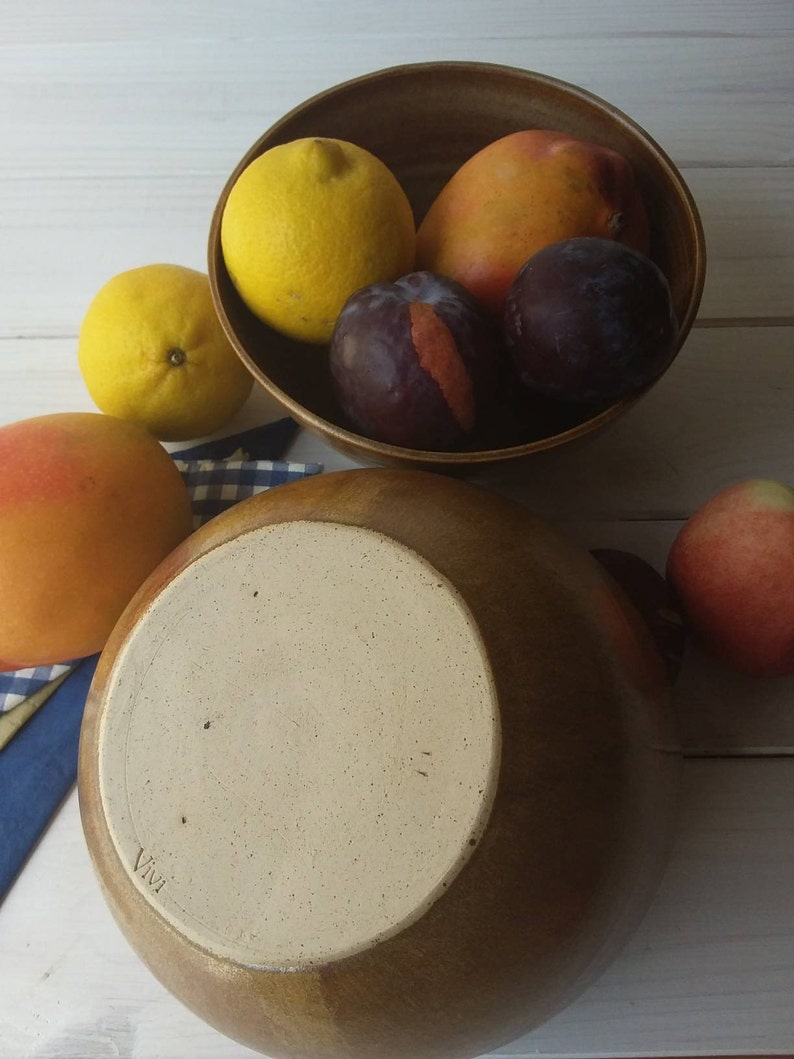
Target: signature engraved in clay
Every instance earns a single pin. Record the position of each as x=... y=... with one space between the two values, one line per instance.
x=145 y=868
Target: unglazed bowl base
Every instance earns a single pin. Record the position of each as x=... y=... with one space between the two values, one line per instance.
x=273 y=778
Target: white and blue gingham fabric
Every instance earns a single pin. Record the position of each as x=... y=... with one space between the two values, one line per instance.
x=214 y=485
x=17 y=686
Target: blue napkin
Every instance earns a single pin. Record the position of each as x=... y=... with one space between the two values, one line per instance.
x=39 y=765
x=38 y=768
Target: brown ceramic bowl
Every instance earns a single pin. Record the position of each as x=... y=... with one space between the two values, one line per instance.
x=424 y=121
x=378 y=766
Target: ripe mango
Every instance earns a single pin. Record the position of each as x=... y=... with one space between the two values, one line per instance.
x=520 y=193
x=89 y=505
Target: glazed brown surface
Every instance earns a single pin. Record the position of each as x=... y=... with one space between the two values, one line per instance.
x=576 y=834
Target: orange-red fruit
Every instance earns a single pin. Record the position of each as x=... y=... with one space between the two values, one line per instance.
x=89 y=505
x=519 y=194
x=732 y=566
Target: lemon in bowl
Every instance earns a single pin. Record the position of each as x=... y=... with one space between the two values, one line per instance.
x=306 y=224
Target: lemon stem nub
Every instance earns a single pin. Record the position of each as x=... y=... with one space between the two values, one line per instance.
x=176 y=356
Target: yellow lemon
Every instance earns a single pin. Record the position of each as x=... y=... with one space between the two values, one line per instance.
x=152 y=350
x=306 y=224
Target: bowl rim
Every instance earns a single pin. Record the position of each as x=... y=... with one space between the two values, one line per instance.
x=349 y=440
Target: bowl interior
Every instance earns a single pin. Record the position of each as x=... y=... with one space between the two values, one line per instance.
x=424 y=121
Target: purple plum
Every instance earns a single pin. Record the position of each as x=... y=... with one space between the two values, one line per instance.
x=589 y=321
x=415 y=362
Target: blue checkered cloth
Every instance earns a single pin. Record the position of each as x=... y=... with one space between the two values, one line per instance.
x=215 y=485
x=217 y=475
x=18 y=685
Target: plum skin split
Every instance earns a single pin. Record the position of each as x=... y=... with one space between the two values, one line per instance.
x=414 y=363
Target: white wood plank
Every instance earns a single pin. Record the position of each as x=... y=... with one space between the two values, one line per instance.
x=119 y=124
x=710 y=969
x=125 y=107
x=717 y=709
x=41 y=376
x=112 y=223
x=722 y=412
x=64 y=238
x=95 y=20
x=748 y=220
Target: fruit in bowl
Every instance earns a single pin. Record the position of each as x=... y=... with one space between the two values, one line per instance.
x=306 y=224
x=415 y=362
x=588 y=320
x=467 y=106
x=519 y=194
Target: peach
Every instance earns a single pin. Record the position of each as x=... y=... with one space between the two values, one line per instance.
x=89 y=505
x=732 y=566
x=519 y=194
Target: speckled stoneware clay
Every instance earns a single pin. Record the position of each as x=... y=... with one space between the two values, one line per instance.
x=343 y=803
x=376 y=765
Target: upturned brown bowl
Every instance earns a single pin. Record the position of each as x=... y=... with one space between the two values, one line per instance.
x=424 y=121
x=377 y=765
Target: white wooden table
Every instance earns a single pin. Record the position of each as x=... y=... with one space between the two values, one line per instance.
x=118 y=127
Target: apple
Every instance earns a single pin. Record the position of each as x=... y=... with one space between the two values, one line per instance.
x=732 y=567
